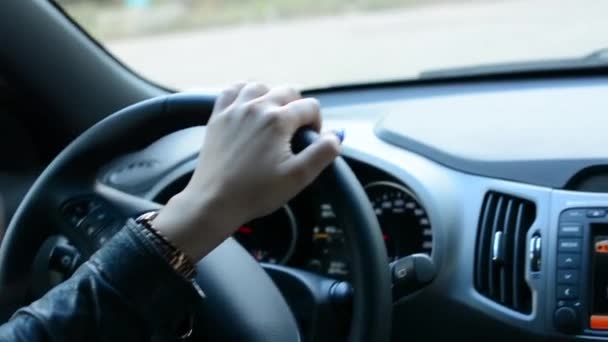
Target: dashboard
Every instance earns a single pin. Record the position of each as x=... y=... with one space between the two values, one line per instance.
x=502 y=183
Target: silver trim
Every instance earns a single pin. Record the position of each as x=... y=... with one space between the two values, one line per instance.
x=535 y=254
x=497 y=247
x=294 y=234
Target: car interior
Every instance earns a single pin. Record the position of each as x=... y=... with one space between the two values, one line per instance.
x=467 y=203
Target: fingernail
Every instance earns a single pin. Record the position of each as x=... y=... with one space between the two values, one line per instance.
x=339 y=133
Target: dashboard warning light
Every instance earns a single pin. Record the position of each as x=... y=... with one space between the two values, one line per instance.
x=246 y=230
x=601 y=247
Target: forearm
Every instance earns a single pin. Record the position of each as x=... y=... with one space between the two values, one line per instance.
x=124 y=292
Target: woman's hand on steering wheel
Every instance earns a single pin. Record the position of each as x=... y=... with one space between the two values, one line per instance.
x=246 y=167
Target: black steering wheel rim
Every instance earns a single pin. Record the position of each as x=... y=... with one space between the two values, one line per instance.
x=137 y=126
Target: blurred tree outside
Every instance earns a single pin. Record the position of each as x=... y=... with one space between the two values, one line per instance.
x=117 y=19
x=138 y=3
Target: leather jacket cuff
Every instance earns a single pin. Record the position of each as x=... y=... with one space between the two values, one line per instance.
x=133 y=265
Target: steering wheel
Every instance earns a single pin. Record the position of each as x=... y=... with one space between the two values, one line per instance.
x=242 y=301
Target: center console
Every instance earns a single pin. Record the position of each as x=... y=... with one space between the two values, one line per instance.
x=581 y=272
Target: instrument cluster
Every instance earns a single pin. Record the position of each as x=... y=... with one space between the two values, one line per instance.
x=305 y=233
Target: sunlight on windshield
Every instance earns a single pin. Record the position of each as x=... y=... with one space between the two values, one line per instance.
x=209 y=43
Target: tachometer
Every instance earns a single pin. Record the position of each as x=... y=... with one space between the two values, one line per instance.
x=405 y=225
x=270 y=238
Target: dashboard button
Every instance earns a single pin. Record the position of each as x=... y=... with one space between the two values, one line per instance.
x=567 y=292
x=595 y=213
x=576 y=304
x=571 y=230
x=569 y=245
x=566 y=320
x=599 y=322
x=567 y=277
x=575 y=214
x=568 y=260
x=90 y=228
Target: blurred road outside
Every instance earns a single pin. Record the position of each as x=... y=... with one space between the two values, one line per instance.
x=360 y=46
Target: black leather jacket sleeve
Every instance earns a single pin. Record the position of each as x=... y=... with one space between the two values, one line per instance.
x=125 y=291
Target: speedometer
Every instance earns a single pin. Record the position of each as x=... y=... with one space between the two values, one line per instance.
x=405 y=225
x=406 y=228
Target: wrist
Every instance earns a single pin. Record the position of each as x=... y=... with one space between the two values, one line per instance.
x=194 y=223
x=180 y=262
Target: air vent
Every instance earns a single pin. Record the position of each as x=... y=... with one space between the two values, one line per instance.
x=501 y=247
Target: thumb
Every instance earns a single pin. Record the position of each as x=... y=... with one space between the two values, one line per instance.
x=305 y=166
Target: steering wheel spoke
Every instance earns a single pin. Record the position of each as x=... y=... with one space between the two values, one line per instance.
x=130 y=205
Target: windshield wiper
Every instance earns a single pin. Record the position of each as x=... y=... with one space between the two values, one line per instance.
x=595 y=59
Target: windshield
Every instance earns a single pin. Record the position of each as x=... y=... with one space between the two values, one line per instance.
x=186 y=44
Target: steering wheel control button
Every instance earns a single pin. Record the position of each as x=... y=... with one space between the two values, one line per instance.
x=570 y=261
x=64 y=259
x=598 y=322
x=570 y=230
x=107 y=232
x=567 y=292
x=569 y=245
x=567 y=277
x=567 y=320
x=95 y=219
x=75 y=212
x=90 y=228
x=102 y=240
x=596 y=213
